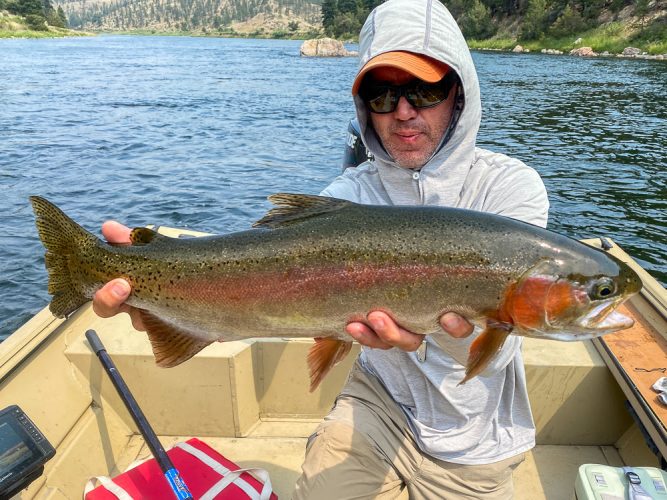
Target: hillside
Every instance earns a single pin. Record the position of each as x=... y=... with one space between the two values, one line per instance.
x=243 y=17
x=605 y=25
x=32 y=19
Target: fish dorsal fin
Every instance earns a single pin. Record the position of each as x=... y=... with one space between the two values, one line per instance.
x=323 y=356
x=294 y=208
x=143 y=236
x=171 y=346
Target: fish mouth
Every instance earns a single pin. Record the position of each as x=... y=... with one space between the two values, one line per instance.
x=604 y=318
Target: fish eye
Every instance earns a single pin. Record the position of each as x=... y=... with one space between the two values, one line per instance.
x=602 y=289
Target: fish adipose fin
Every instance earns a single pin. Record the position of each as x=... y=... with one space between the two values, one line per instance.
x=485 y=347
x=171 y=346
x=143 y=236
x=61 y=237
x=323 y=356
x=294 y=208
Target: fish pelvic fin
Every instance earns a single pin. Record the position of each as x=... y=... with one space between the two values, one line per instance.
x=323 y=356
x=171 y=345
x=485 y=347
x=62 y=238
x=294 y=208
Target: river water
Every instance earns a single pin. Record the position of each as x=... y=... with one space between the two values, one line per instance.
x=196 y=132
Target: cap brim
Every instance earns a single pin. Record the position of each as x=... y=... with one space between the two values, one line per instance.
x=423 y=67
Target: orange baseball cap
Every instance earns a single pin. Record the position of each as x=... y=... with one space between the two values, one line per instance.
x=423 y=67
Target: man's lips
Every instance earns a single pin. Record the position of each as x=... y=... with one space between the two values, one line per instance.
x=407 y=135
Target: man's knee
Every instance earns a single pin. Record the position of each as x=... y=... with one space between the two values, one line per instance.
x=341 y=462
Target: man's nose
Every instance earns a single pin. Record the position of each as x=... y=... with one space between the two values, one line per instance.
x=404 y=110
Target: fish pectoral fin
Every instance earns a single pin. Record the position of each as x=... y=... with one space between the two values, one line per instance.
x=143 y=236
x=485 y=347
x=294 y=208
x=171 y=346
x=323 y=356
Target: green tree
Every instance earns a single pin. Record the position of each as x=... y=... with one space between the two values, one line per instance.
x=293 y=26
x=458 y=8
x=346 y=25
x=329 y=9
x=347 y=6
x=25 y=7
x=369 y=5
x=476 y=21
x=568 y=23
x=534 y=22
x=62 y=17
x=641 y=9
x=36 y=22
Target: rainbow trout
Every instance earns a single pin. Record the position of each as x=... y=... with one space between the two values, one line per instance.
x=313 y=264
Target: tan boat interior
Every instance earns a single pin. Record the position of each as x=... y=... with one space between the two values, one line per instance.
x=249 y=400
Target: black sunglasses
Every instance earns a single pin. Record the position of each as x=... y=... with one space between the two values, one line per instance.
x=383 y=98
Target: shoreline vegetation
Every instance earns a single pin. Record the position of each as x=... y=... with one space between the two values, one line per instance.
x=632 y=31
x=601 y=44
x=30 y=26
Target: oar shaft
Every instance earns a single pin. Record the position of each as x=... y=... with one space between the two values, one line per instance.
x=175 y=481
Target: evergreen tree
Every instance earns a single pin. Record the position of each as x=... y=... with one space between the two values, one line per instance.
x=534 y=22
x=641 y=9
x=568 y=23
x=476 y=22
x=347 y=6
x=25 y=7
x=62 y=17
x=329 y=9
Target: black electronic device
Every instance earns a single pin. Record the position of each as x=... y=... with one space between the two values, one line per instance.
x=23 y=451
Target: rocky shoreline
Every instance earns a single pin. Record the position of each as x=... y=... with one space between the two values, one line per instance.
x=628 y=53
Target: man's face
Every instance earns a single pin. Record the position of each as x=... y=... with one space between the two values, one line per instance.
x=410 y=135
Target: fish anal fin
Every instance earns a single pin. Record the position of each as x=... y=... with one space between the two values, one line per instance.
x=294 y=208
x=144 y=235
x=323 y=356
x=485 y=347
x=171 y=346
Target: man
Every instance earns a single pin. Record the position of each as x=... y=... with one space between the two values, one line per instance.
x=401 y=420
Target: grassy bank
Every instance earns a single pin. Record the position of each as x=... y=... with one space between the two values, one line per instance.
x=15 y=27
x=612 y=38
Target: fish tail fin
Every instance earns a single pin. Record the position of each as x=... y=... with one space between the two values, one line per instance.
x=323 y=356
x=484 y=348
x=61 y=237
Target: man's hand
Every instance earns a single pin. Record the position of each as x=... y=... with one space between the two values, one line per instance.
x=110 y=299
x=384 y=333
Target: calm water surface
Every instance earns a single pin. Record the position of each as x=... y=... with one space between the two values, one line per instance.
x=196 y=132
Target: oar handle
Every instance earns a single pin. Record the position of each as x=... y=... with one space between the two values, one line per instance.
x=171 y=474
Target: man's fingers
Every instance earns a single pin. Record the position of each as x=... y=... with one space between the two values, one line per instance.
x=137 y=322
x=392 y=334
x=457 y=326
x=115 y=232
x=109 y=300
x=365 y=336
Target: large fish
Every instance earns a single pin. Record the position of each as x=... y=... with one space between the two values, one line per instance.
x=314 y=264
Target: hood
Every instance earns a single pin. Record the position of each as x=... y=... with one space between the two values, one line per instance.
x=423 y=27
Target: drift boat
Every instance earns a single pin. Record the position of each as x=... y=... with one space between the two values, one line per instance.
x=592 y=401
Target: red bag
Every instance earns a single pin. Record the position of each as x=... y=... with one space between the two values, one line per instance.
x=206 y=473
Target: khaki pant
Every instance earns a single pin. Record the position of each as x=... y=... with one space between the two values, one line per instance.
x=365 y=449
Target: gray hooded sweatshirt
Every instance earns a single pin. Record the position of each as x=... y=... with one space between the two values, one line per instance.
x=488 y=419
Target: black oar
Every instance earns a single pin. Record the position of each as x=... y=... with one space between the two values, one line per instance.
x=171 y=474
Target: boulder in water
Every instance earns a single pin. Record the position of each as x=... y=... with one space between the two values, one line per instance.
x=325 y=47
